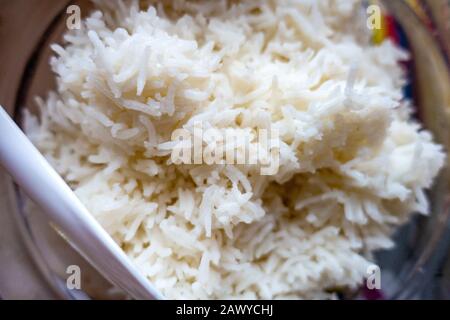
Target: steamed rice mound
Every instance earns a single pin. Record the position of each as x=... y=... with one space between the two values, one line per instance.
x=353 y=165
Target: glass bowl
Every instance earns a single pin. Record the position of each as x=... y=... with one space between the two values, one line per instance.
x=415 y=268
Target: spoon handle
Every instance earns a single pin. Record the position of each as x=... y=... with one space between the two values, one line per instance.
x=31 y=171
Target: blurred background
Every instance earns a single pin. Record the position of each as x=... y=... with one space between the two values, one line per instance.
x=22 y=23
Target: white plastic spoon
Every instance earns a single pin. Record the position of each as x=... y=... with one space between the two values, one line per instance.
x=46 y=188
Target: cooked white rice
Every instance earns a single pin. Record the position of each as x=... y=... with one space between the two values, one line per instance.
x=353 y=165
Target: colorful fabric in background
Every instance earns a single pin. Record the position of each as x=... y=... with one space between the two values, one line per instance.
x=391 y=29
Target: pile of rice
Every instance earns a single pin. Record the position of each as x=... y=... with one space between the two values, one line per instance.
x=352 y=163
